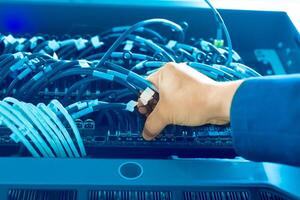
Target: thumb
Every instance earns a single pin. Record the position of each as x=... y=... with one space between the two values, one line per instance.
x=154 y=124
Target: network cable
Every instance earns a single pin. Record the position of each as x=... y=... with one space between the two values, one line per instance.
x=222 y=23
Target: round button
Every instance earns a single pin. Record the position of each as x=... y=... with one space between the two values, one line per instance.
x=130 y=170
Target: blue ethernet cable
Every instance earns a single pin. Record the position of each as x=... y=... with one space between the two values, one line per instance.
x=99 y=107
x=142 y=43
x=110 y=122
x=55 y=132
x=94 y=73
x=2 y=57
x=219 y=70
x=42 y=78
x=132 y=77
x=22 y=120
x=54 y=104
x=132 y=29
x=121 y=95
x=88 y=80
x=249 y=71
x=153 y=46
x=118 y=79
x=93 y=45
x=148 y=64
x=67 y=53
x=146 y=45
x=233 y=72
x=210 y=68
x=114 y=92
x=36 y=77
x=101 y=95
x=45 y=130
x=41 y=46
x=227 y=35
x=121 y=55
x=66 y=139
x=31 y=66
x=5 y=64
x=77 y=85
x=119 y=121
x=18 y=136
x=23 y=46
x=17 y=119
x=194 y=51
x=39 y=141
x=121 y=29
x=185 y=56
x=10 y=48
x=34 y=120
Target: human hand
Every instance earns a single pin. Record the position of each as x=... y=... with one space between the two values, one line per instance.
x=186 y=97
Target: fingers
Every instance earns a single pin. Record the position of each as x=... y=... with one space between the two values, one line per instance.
x=155 y=121
x=154 y=78
x=154 y=124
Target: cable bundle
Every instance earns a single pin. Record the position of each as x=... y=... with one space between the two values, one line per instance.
x=99 y=77
x=40 y=130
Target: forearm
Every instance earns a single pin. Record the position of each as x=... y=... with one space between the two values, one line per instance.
x=265 y=117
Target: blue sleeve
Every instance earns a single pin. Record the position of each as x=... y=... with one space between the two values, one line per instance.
x=265 y=119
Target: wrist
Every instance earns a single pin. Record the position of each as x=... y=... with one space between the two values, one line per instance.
x=223 y=96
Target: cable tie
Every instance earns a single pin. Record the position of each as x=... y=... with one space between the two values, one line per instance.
x=54 y=45
x=171 y=44
x=131 y=105
x=96 y=42
x=10 y=39
x=33 y=42
x=80 y=44
x=84 y=64
x=82 y=105
x=128 y=45
x=146 y=95
x=18 y=55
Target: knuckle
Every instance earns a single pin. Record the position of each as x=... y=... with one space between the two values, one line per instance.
x=170 y=65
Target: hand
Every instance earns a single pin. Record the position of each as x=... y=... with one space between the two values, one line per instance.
x=186 y=97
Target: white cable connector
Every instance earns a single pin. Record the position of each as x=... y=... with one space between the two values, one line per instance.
x=96 y=42
x=131 y=105
x=18 y=55
x=84 y=64
x=10 y=39
x=128 y=45
x=147 y=95
x=171 y=44
x=54 y=45
x=80 y=43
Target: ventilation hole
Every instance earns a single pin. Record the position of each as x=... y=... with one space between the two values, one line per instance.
x=270 y=195
x=220 y=195
x=129 y=195
x=17 y=194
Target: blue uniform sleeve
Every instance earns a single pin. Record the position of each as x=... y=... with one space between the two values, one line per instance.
x=265 y=119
